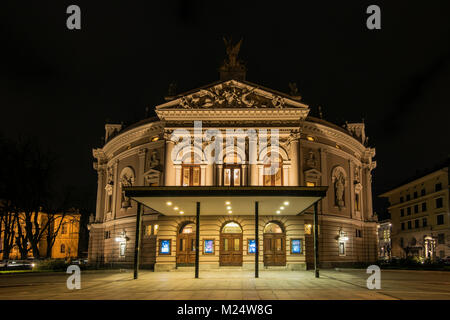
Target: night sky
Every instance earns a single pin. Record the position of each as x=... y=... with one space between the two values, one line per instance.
x=62 y=85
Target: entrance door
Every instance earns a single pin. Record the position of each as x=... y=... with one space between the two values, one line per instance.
x=186 y=246
x=231 y=245
x=274 y=245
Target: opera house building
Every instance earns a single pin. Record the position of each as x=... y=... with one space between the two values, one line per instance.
x=233 y=175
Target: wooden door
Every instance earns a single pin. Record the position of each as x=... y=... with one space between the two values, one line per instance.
x=231 y=249
x=232 y=175
x=186 y=249
x=274 y=249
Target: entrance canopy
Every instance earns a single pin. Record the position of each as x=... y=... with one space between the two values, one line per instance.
x=179 y=201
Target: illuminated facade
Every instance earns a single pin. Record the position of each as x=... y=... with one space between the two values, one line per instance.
x=312 y=152
x=420 y=216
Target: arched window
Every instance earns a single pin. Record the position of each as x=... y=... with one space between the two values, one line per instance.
x=232 y=170
x=273 y=227
x=63 y=248
x=273 y=171
x=189 y=228
x=232 y=227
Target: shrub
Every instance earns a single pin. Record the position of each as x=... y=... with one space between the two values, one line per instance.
x=52 y=265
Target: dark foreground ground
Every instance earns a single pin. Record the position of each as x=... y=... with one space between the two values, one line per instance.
x=229 y=284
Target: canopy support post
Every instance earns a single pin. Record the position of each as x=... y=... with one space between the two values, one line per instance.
x=137 y=241
x=197 y=240
x=316 y=242
x=256 y=240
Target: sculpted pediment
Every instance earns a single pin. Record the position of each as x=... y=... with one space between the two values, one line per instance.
x=232 y=94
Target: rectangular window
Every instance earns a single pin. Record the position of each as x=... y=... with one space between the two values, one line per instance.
x=409 y=225
x=403 y=226
x=439 y=203
x=402 y=212
x=227 y=177
x=408 y=197
x=424 y=206
x=440 y=219
x=251 y=246
x=416 y=223
x=148 y=230
x=408 y=211
x=164 y=246
x=107 y=234
x=358 y=233
x=342 y=248
x=401 y=199
x=424 y=222
x=64 y=228
x=438 y=187
x=441 y=238
x=308 y=228
x=415 y=194
x=401 y=242
x=208 y=246
x=237 y=244
x=416 y=208
x=109 y=203
x=310 y=184
x=296 y=246
x=422 y=192
x=190 y=176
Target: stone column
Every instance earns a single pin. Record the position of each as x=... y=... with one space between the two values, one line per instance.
x=351 y=185
x=101 y=176
x=169 y=170
x=219 y=174
x=203 y=174
x=295 y=161
x=177 y=170
x=244 y=175
x=253 y=156
x=116 y=188
x=324 y=178
x=286 y=175
x=141 y=168
x=260 y=175
x=210 y=174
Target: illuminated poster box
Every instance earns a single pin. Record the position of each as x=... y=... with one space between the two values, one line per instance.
x=251 y=246
x=164 y=246
x=296 y=246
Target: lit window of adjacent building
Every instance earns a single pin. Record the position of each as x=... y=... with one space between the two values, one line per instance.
x=403 y=226
x=402 y=212
x=416 y=208
x=409 y=225
x=422 y=192
x=441 y=238
x=408 y=211
x=424 y=222
x=416 y=223
x=440 y=219
x=438 y=187
x=439 y=202
x=415 y=194
x=424 y=207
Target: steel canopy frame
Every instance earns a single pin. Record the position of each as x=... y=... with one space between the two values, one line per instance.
x=140 y=193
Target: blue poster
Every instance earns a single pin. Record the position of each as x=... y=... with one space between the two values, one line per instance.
x=296 y=246
x=165 y=246
x=251 y=246
x=209 y=246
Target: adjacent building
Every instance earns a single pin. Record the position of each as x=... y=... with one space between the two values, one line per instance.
x=64 y=235
x=419 y=212
x=384 y=239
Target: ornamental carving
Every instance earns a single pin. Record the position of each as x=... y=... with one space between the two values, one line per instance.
x=230 y=96
x=152 y=159
x=127 y=178
x=311 y=159
x=339 y=180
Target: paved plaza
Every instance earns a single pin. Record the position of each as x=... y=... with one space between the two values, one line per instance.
x=229 y=285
